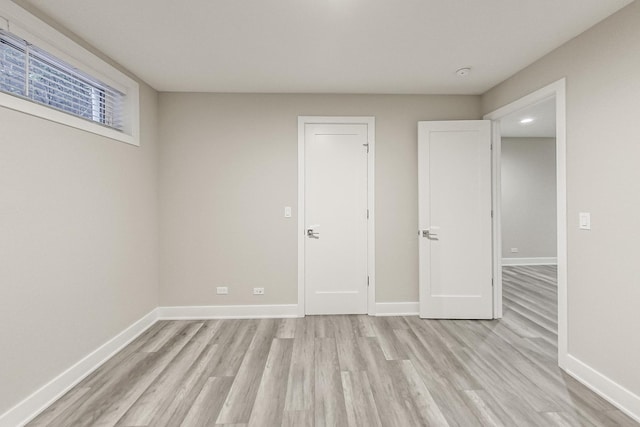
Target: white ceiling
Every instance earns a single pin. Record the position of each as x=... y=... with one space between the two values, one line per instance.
x=326 y=46
x=543 y=125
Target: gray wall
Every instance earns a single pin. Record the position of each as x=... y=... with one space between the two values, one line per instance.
x=79 y=245
x=229 y=166
x=603 y=177
x=78 y=253
x=529 y=197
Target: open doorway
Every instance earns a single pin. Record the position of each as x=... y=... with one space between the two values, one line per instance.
x=530 y=219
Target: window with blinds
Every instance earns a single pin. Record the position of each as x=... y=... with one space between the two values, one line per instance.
x=29 y=72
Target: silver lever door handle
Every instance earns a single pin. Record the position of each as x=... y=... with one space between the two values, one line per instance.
x=429 y=234
x=313 y=234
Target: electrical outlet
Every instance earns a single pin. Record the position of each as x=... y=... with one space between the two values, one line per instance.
x=222 y=290
x=514 y=250
x=258 y=291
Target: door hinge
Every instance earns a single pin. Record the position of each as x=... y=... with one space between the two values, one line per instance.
x=367 y=213
x=367 y=281
x=366 y=145
x=492 y=214
x=492 y=282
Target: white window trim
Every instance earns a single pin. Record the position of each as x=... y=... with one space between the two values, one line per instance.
x=18 y=21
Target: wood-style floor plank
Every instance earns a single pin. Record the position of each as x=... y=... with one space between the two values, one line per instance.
x=269 y=404
x=162 y=390
x=486 y=408
x=60 y=406
x=297 y=419
x=186 y=393
x=417 y=396
x=301 y=378
x=348 y=353
x=237 y=408
x=345 y=371
x=329 y=404
x=387 y=340
x=358 y=397
x=384 y=384
x=207 y=405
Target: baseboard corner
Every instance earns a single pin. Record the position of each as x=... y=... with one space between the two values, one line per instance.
x=616 y=394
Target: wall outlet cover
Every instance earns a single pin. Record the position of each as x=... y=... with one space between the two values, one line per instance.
x=222 y=290
x=258 y=291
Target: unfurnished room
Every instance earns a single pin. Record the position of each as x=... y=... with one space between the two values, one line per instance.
x=319 y=213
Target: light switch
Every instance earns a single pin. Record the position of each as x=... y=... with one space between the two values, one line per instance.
x=287 y=212
x=585 y=220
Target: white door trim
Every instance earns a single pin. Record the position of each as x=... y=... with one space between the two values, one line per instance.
x=557 y=90
x=371 y=236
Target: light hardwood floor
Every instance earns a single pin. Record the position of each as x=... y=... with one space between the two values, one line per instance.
x=345 y=371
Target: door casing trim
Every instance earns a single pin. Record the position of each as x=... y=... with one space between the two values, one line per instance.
x=558 y=90
x=371 y=230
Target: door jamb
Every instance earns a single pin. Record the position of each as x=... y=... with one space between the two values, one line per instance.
x=371 y=237
x=557 y=90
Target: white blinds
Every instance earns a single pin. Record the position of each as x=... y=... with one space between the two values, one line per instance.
x=30 y=72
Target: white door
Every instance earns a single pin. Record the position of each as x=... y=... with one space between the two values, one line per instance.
x=335 y=211
x=454 y=172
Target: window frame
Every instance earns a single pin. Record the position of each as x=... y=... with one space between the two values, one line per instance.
x=23 y=24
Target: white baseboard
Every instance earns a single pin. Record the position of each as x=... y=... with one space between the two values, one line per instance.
x=228 y=312
x=397 y=308
x=530 y=261
x=30 y=407
x=624 y=399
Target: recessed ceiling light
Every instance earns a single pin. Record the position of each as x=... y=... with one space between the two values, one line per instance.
x=526 y=121
x=463 y=72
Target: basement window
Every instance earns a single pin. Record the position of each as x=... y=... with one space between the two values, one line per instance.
x=30 y=72
x=45 y=74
